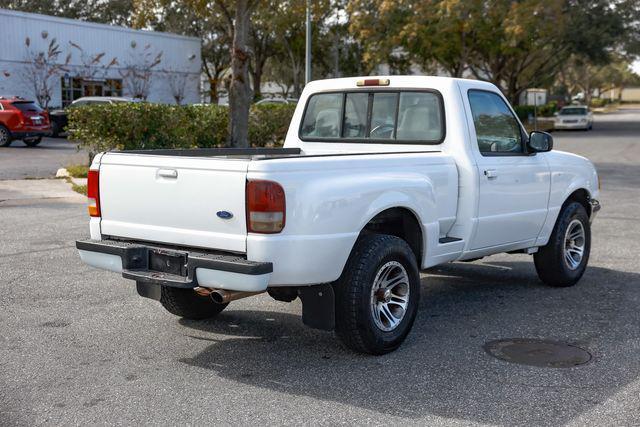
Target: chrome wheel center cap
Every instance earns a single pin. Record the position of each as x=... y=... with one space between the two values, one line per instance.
x=384 y=295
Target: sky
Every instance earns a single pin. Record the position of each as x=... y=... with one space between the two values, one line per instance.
x=636 y=67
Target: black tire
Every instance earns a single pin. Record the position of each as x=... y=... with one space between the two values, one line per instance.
x=551 y=264
x=188 y=304
x=55 y=130
x=5 y=137
x=355 y=319
x=32 y=142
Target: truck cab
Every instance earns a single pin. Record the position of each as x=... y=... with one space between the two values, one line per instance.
x=379 y=178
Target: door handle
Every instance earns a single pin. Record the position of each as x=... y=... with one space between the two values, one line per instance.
x=168 y=173
x=491 y=173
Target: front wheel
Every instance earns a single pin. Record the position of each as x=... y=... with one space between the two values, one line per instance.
x=563 y=260
x=377 y=295
x=188 y=304
x=5 y=137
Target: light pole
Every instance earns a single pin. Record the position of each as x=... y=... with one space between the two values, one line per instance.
x=307 y=59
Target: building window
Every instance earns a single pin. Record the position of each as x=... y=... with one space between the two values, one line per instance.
x=113 y=87
x=75 y=87
x=71 y=90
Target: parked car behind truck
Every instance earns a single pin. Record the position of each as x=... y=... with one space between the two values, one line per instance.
x=60 y=120
x=22 y=119
x=379 y=178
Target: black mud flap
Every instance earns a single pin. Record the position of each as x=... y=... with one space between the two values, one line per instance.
x=318 y=306
x=149 y=290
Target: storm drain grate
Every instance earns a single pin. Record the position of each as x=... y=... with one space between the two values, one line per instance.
x=535 y=352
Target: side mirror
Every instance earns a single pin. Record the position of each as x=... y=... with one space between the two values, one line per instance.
x=540 y=142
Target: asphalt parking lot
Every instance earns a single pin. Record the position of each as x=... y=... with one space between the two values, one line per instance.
x=21 y=162
x=78 y=346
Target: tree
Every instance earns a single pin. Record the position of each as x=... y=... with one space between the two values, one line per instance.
x=263 y=42
x=289 y=25
x=91 y=64
x=443 y=33
x=514 y=44
x=116 y=12
x=177 y=82
x=521 y=45
x=195 y=18
x=238 y=19
x=582 y=76
x=378 y=26
x=42 y=68
x=138 y=70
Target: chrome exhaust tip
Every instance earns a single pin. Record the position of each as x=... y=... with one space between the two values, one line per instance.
x=221 y=296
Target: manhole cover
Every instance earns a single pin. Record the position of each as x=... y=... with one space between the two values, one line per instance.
x=542 y=353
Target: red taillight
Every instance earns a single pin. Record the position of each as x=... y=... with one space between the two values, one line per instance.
x=265 y=207
x=93 y=192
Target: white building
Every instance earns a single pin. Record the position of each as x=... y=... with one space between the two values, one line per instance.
x=94 y=60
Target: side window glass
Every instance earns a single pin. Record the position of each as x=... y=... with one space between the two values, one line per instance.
x=497 y=130
x=355 y=115
x=383 y=115
x=419 y=117
x=322 y=118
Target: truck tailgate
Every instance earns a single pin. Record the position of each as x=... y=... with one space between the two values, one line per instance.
x=174 y=200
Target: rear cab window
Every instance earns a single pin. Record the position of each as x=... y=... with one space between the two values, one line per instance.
x=374 y=116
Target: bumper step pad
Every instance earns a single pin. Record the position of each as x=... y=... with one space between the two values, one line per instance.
x=136 y=262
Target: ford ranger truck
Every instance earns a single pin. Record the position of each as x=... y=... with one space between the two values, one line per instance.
x=379 y=178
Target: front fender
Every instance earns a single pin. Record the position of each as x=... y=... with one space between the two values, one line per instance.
x=569 y=173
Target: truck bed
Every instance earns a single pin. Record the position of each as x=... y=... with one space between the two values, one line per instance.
x=236 y=153
x=255 y=153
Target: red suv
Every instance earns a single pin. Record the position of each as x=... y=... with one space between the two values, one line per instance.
x=22 y=119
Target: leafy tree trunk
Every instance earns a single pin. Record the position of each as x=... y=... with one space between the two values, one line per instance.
x=256 y=74
x=296 y=68
x=240 y=93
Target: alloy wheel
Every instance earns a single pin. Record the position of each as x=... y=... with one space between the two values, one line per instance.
x=389 y=296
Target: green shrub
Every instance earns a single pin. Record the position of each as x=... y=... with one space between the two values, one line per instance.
x=598 y=102
x=78 y=171
x=523 y=111
x=131 y=126
x=546 y=110
x=268 y=124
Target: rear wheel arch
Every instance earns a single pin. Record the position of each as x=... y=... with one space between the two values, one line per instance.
x=401 y=222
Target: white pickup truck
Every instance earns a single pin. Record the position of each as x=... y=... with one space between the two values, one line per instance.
x=379 y=178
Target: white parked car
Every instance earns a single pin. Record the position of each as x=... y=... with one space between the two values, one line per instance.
x=278 y=101
x=379 y=179
x=574 y=117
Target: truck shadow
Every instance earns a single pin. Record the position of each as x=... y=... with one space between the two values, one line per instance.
x=442 y=368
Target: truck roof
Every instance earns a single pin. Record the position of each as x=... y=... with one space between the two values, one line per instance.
x=395 y=81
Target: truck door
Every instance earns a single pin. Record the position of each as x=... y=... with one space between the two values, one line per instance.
x=513 y=184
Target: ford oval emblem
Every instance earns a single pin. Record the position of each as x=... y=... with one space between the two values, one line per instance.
x=224 y=214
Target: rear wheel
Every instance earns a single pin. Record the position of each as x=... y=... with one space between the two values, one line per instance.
x=55 y=130
x=377 y=295
x=32 y=142
x=563 y=260
x=5 y=137
x=188 y=304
